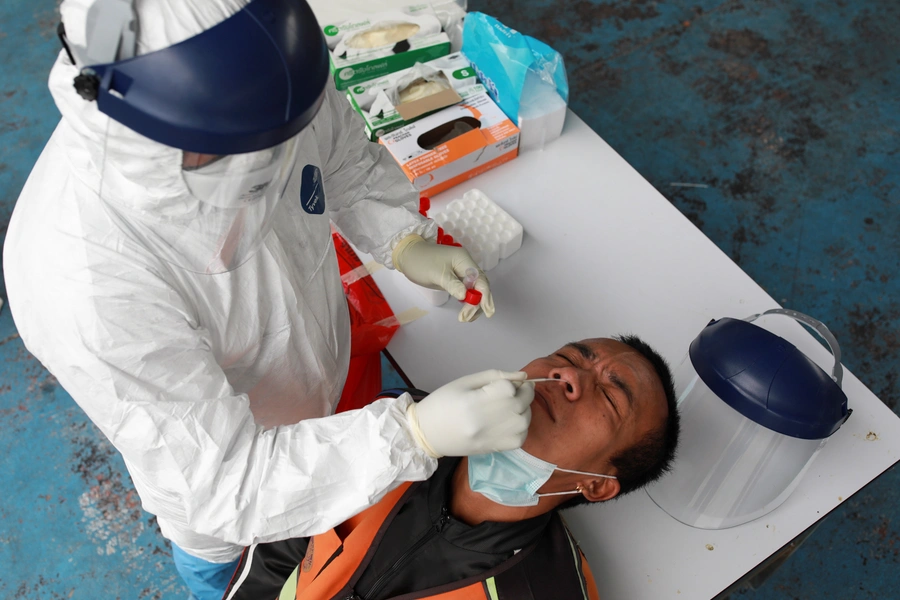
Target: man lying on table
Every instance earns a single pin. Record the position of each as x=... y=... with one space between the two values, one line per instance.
x=487 y=527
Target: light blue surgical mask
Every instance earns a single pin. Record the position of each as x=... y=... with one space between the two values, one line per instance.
x=513 y=478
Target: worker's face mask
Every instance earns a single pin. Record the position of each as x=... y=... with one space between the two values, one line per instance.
x=238 y=180
x=513 y=478
x=240 y=193
x=207 y=219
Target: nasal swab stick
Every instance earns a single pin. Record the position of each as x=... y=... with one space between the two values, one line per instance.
x=518 y=382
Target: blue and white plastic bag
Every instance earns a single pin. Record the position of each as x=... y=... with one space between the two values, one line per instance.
x=524 y=76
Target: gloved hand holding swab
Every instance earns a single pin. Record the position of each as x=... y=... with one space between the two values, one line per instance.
x=477 y=414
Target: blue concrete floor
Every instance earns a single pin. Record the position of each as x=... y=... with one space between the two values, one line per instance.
x=786 y=110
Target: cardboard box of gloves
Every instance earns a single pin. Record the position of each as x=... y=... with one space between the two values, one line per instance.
x=395 y=100
x=374 y=45
x=454 y=144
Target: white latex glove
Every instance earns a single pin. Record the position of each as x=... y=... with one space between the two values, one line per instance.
x=476 y=414
x=442 y=267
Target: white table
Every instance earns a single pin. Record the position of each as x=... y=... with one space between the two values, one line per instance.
x=605 y=253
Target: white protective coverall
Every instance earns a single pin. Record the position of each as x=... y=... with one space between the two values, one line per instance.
x=210 y=385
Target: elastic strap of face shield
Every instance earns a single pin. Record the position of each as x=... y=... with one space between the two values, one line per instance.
x=110 y=34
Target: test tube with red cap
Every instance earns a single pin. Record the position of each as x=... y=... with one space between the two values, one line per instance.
x=473 y=296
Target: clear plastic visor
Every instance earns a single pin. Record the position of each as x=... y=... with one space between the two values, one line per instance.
x=208 y=214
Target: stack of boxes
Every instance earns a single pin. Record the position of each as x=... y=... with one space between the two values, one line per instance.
x=419 y=100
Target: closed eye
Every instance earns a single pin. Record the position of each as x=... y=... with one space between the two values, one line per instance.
x=566 y=358
x=613 y=404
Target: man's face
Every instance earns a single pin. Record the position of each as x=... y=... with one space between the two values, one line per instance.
x=608 y=397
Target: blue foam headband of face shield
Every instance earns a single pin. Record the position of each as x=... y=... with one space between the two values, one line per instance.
x=248 y=83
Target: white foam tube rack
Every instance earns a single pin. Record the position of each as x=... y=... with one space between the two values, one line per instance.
x=487 y=231
x=483 y=228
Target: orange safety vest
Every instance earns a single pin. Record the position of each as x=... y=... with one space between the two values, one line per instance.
x=331 y=563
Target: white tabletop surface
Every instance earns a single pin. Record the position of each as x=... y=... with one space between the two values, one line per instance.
x=605 y=253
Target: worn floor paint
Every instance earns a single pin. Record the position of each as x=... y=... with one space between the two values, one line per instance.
x=787 y=111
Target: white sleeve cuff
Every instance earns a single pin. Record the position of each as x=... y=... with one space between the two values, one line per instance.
x=426 y=228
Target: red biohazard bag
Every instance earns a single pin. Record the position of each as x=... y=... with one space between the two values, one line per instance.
x=372 y=325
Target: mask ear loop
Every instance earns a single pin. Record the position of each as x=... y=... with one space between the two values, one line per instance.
x=577 y=490
x=589 y=474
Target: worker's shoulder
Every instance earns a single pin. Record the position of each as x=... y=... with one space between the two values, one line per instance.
x=59 y=227
x=70 y=271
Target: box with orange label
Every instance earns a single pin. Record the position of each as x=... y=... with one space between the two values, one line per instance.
x=454 y=144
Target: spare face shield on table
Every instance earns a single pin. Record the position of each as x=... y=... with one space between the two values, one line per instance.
x=202 y=135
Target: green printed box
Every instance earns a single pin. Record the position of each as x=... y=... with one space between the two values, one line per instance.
x=398 y=99
x=371 y=46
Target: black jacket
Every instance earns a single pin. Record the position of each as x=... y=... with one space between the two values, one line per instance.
x=422 y=548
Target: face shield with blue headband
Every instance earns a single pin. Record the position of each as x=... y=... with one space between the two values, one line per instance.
x=201 y=137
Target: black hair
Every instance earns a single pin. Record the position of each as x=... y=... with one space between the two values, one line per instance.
x=651 y=457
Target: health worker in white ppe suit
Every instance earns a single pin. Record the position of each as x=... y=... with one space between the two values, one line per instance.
x=170 y=261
